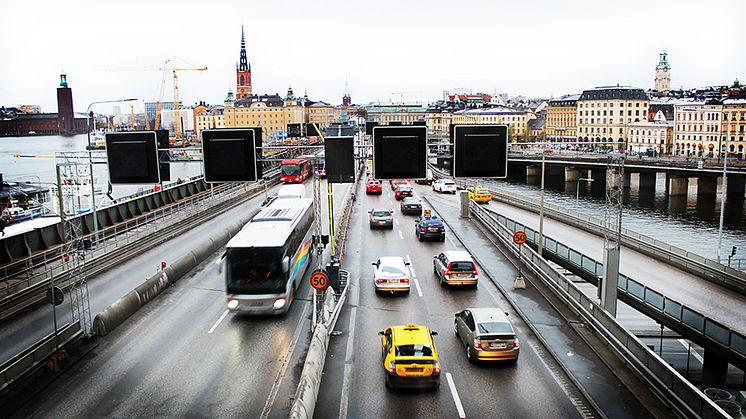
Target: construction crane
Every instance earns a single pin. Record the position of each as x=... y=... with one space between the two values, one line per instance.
x=158 y=103
x=175 y=70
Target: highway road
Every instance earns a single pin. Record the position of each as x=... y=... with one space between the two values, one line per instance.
x=183 y=354
x=353 y=383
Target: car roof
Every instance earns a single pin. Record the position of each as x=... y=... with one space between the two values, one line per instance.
x=392 y=261
x=411 y=334
x=489 y=314
x=458 y=255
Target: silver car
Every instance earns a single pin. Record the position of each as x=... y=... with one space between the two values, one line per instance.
x=391 y=274
x=381 y=218
x=455 y=267
x=487 y=334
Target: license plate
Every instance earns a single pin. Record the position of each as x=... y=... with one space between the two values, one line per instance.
x=382 y=222
x=497 y=346
x=414 y=370
x=433 y=230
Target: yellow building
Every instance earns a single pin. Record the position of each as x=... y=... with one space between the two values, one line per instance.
x=733 y=126
x=212 y=118
x=438 y=123
x=269 y=112
x=562 y=119
x=604 y=113
x=515 y=119
x=322 y=114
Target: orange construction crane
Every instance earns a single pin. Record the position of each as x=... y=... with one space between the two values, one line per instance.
x=174 y=70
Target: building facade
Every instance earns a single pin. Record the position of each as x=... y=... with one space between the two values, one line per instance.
x=663 y=74
x=604 y=113
x=562 y=120
x=734 y=127
x=697 y=126
x=322 y=114
x=406 y=114
x=515 y=119
x=243 y=72
x=651 y=137
x=210 y=119
x=265 y=111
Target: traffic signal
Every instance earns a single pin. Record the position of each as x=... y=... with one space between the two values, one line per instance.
x=733 y=251
x=480 y=151
x=340 y=159
x=399 y=152
x=132 y=157
x=231 y=155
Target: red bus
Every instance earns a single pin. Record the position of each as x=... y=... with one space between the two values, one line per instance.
x=295 y=170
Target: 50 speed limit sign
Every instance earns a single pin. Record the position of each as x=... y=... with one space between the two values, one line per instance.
x=519 y=237
x=319 y=280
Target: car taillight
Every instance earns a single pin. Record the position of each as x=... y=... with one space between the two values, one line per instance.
x=477 y=344
x=380 y=280
x=476 y=271
x=392 y=366
x=422 y=229
x=436 y=368
x=516 y=344
x=447 y=273
x=442 y=229
x=405 y=280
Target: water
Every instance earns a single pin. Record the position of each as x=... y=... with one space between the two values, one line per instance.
x=690 y=222
x=39 y=167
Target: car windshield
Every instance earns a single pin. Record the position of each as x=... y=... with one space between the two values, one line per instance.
x=411 y=201
x=404 y=189
x=495 y=327
x=290 y=169
x=414 y=350
x=431 y=223
x=254 y=270
x=461 y=266
x=392 y=270
x=381 y=213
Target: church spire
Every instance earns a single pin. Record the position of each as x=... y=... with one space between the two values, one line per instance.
x=243 y=63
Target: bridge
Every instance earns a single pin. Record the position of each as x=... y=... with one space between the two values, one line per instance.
x=182 y=353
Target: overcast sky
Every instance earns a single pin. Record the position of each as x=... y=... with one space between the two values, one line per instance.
x=411 y=49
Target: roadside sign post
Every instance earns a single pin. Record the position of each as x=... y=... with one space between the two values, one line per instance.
x=519 y=238
x=319 y=282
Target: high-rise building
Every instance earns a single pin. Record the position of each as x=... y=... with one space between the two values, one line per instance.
x=243 y=72
x=663 y=74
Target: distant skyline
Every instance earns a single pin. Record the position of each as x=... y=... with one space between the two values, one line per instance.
x=384 y=49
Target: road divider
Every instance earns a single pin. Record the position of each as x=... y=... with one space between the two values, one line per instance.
x=122 y=309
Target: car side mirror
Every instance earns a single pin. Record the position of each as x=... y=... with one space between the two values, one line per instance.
x=221 y=262
x=433 y=333
x=407 y=263
x=380 y=333
x=506 y=313
x=374 y=264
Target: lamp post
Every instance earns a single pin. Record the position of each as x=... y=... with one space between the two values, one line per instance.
x=541 y=207
x=90 y=163
x=577 y=190
x=724 y=194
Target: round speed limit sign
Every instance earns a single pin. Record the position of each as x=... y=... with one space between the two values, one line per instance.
x=519 y=237
x=319 y=280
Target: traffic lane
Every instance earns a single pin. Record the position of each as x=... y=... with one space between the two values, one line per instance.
x=21 y=331
x=597 y=378
x=697 y=293
x=435 y=309
x=174 y=358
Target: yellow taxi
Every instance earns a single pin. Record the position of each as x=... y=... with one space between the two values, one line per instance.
x=479 y=194
x=410 y=359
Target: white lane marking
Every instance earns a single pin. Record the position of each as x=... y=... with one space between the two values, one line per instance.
x=448 y=237
x=456 y=398
x=417 y=285
x=413 y=274
x=212 y=329
x=401 y=236
x=694 y=353
x=285 y=362
x=344 y=400
x=391 y=202
x=396 y=220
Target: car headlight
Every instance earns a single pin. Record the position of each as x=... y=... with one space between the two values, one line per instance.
x=279 y=303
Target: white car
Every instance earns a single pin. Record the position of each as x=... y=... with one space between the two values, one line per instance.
x=444 y=185
x=391 y=274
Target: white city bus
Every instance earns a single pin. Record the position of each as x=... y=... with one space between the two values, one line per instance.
x=264 y=263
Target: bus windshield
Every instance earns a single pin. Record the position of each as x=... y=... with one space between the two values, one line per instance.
x=254 y=271
x=290 y=169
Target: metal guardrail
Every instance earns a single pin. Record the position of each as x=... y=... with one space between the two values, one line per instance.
x=683 y=397
x=37 y=354
x=706 y=329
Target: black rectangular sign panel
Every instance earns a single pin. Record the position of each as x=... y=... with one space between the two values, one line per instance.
x=369 y=125
x=163 y=156
x=294 y=130
x=419 y=123
x=132 y=157
x=340 y=159
x=395 y=124
x=480 y=151
x=311 y=131
x=230 y=155
x=399 y=152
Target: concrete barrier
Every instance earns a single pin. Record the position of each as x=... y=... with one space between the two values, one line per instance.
x=128 y=304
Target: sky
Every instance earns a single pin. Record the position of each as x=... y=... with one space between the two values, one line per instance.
x=383 y=48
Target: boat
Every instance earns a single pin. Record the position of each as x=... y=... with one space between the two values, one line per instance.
x=76 y=193
x=16 y=213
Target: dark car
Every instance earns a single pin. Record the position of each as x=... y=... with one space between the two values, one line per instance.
x=411 y=205
x=430 y=228
x=403 y=192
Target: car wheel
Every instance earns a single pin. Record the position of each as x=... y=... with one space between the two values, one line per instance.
x=469 y=356
x=455 y=329
x=435 y=270
x=388 y=383
x=420 y=238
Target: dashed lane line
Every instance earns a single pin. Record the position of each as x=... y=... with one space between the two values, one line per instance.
x=217 y=323
x=344 y=399
x=456 y=398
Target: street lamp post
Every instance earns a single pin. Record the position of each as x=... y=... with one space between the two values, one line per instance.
x=90 y=164
x=724 y=194
x=577 y=190
x=541 y=207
